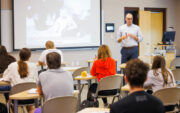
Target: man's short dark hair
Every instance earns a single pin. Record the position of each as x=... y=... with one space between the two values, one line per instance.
x=136 y=72
x=53 y=60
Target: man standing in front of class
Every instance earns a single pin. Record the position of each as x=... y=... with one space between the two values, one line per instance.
x=129 y=35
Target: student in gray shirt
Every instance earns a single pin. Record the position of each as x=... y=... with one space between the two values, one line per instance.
x=55 y=82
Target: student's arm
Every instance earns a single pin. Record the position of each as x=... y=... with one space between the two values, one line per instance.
x=42 y=58
x=113 y=68
x=41 y=63
x=7 y=74
x=39 y=90
x=93 y=69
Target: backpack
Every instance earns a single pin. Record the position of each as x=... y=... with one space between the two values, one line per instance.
x=91 y=99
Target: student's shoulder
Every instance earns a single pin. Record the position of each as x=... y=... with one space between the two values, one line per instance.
x=154 y=100
x=121 y=104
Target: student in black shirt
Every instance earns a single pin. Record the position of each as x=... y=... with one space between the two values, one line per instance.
x=138 y=101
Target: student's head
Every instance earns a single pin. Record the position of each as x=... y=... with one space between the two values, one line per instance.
x=160 y=63
x=129 y=19
x=53 y=60
x=136 y=72
x=24 y=55
x=3 y=51
x=3 y=108
x=104 y=52
x=49 y=45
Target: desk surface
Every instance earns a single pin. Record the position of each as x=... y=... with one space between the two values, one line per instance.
x=125 y=88
x=89 y=77
x=3 y=83
x=70 y=68
x=122 y=66
x=25 y=95
x=94 y=110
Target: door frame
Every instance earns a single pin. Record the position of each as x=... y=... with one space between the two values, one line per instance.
x=163 y=10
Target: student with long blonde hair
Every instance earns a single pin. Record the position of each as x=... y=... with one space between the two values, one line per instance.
x=159 y=76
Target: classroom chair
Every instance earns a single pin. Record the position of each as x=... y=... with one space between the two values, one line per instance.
x=78 y=73
x=20 y=88
x=175 y=63
x=110 y=83
x=60 y=105
x=176 y=73
x=169 y=96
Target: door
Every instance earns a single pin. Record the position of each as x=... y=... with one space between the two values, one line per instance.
x=156 y=28
x=145 y=26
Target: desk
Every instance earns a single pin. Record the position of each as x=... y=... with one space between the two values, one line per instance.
x=79 y=78
x=25 y=96
x=94 y=110
x=91 y=61
x=122 y=66
x=4 y=83
x=125 y=88
x=42 y=66
x=71 y=69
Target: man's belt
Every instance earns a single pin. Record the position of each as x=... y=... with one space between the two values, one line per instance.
x=129 y=47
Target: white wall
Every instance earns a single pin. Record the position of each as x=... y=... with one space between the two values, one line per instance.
x=113 y=13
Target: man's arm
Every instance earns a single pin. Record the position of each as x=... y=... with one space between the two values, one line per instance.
x=133 y=37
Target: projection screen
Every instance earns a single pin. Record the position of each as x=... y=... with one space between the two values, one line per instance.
x=68 y=23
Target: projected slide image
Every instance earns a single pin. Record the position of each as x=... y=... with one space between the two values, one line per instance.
x=66 y=22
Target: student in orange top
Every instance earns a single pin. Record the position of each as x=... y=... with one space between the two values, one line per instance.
x=105 y=65
x=102 y=67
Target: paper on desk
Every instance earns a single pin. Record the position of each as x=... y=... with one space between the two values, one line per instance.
x=33 y=91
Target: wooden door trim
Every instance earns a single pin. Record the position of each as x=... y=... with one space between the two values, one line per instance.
x=163 y=10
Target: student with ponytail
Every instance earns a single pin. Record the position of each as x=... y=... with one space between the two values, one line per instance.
x=159 y=76
x=22 y=71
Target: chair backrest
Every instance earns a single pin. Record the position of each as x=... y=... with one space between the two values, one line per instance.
x=60 y=105
x=22 y=87
x=110 y=82
x=176 y=73
x=175 y=62
x=78 y=71
x=168 y=96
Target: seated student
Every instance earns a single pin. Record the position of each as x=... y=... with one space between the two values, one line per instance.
x=22 y=71
x=159 y=76
x=3 y=108
x=49 y=48
x=104 y=66
x=138 y=101
x=55 y=82
x=5 y=60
